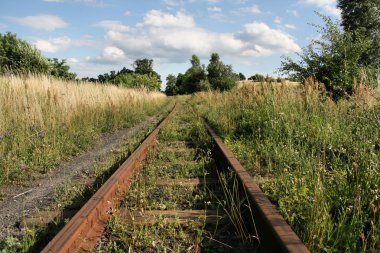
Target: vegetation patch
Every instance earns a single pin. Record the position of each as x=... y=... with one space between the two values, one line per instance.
x=197 y=220
x=49 y=120
x=316 y=159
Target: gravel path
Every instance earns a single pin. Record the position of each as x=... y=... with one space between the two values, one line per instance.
x=20 y=201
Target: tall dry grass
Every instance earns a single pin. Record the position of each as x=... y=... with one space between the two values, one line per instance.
x=44 y=120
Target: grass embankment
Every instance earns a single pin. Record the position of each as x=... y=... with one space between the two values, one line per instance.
x=44 y=120
x=317 y=160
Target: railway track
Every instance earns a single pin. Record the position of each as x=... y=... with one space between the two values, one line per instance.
x=182 y=190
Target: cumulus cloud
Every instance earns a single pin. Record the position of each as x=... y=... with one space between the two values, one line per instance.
x=110 y=55
x=113 y=25
x=328 y=5
x=262 y=40
x=174 y=37
x=155 y=18
x=113 y=53
x=56 y=44
x=52 y=45
x=41 y=22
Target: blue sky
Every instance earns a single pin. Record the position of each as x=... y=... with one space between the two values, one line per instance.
x=96 y=36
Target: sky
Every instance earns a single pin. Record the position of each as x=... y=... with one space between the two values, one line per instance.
x=97 y=36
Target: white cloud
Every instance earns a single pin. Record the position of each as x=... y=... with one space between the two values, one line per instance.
x=42 y=22
x=52 y=45
x=263 y=40
x=72 y=60
x=127 y=13
x=113 y=53
x=174 y=37
x=333 y=10
x=172 y=2
x=277 y=20
x=155 y=18
x=319 y=2
x=54 y=1
x=252 y=9
x=214 y=1
x=214 y=9
x=328 y=5
x=290 y=26
x=113 y=25
x=56 y=44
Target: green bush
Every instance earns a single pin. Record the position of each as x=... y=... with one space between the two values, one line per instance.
x=334 y=60
x=19 y=57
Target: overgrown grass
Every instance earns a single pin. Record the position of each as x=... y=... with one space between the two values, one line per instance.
x=318 y=160
x=70 y=197
x=43 y=120
x=183 y=152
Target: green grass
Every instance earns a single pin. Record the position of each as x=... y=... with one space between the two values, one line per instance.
x=319 y=160
x=183 y=152
x=71 y=197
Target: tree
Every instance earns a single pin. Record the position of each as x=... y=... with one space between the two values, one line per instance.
x=242 y=77
x=19 y=57
x=362 y=18
x=193 y=76
x=59 y=69
x=133 y=80
x=171 y=87
x=220 y=76
x=334 y=59
x=145 y=67
x=257 y=78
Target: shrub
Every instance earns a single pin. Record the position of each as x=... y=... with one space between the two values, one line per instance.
x=334 y=60
x=18 y=57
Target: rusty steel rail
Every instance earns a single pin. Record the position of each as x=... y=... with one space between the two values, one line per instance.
x=84 y=229
x=274 y=233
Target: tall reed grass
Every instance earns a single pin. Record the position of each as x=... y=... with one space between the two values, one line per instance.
x=319 y=159
x=44 y=120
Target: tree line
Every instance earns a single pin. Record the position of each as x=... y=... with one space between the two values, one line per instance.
x=216 y=76
x=19 y=57
x=142 y=76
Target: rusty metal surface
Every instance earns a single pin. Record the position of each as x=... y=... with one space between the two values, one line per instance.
x=83 y=230
x=274 y=233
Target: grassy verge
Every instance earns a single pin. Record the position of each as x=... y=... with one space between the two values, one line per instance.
x=43 y=120
x=317 y=160
x=68 y=199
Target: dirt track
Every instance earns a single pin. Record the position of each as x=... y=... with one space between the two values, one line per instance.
x=20 y=201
